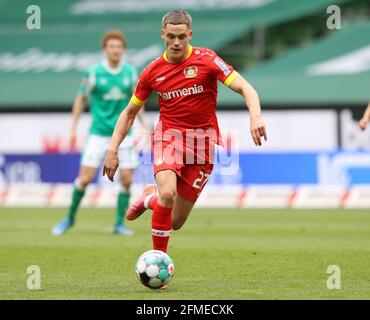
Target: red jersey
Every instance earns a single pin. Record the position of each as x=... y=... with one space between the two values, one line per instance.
x=187 y=91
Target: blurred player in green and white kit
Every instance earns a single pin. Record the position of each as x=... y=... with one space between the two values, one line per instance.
x=108 y=87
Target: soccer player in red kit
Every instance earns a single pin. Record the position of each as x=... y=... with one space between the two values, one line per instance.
x=185 y=79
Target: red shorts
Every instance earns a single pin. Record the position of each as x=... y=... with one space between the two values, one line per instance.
x=191 y=178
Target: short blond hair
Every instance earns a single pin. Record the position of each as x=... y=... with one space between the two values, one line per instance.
x=177 y=17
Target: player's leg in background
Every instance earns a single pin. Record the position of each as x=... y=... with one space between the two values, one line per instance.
x=85 y=177
x=162 y=212
x=92 y=157
x=128 y=163
x=126 y=178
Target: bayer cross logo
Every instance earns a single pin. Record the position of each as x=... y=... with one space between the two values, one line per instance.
x=190 y=72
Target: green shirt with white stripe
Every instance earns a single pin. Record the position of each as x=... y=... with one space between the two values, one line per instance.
x=109 y=91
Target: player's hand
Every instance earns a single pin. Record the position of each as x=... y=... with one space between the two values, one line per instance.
x=110 y=164
x=363 y=123
x=72 y=140
x=258 y=130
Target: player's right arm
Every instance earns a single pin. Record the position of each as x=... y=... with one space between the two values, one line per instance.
x=124 y=124
x=365 y=118
x=78 y=107
x=86 y=86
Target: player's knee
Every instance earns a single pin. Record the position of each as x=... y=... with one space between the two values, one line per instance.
x=84 y=181
x=176 y=225
x=167 y=196
x=126 y=183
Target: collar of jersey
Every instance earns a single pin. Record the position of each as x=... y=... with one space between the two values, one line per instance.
x=187 y=56
x=110 y=69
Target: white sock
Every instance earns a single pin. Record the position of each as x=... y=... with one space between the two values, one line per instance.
x=147 y=199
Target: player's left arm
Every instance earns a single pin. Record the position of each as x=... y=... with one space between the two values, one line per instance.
x=251 y=99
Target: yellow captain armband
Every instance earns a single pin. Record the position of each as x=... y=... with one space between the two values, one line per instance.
x=137 y=101
x=230 y=78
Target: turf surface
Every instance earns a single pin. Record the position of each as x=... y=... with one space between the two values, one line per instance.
x=219 y=254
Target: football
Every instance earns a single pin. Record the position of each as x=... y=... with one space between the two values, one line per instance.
x=154 y=269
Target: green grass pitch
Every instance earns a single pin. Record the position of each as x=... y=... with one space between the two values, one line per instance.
x=219 y=254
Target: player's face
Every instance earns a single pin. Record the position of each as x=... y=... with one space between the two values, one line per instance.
x=176 y=39
x=114 y=50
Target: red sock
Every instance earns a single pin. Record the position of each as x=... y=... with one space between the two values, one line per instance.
x=161 y=227
x=152 y=202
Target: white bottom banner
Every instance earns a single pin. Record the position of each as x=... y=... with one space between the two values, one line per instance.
x=213 y=196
